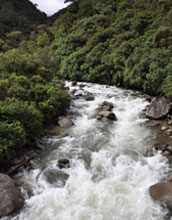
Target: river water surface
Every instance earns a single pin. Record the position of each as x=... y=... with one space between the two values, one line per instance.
x=110 y=174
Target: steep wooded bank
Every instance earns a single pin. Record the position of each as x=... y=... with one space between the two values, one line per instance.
x=31 y=95
x=117 y=42
x=122 y=42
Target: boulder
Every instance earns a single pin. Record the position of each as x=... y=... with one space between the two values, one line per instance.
x=11 y=199
x=107 y=114
x=158 y=109
x=63 y=163
x=162 y=192
x=55 y=177
x=65 y=122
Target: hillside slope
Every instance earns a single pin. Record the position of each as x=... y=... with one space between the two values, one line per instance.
x=124 y=42
x=19 y=15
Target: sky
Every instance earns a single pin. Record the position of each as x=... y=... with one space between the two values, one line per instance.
x=49 y=6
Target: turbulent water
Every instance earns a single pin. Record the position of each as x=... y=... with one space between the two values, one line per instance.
x=110 y=174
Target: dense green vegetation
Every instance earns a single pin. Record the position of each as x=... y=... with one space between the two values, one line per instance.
x=117 y=42
x=20 y=15
x=126 y=42
x=31 y=97
x=31 y=94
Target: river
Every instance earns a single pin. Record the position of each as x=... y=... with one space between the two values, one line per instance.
x=109 y=175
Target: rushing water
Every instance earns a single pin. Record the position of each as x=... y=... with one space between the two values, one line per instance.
x=110 y=174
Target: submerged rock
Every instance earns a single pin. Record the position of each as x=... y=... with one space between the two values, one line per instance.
x=162 y=192
x=11 y=199
x=158 y=109
x=65 y=122
x=56 y=177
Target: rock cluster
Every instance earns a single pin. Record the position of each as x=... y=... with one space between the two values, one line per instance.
x=82 y=94
x=160 y=109
x=105 y=113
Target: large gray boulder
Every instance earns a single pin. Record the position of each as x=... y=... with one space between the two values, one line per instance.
x=162 y=192
x=55 y=177
x=11 y=199
x=65 y=122
x=159 y=108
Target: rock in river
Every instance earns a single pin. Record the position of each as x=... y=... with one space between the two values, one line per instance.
x=162 y=192
x=63 y=163
x=10 y=198
x=56 y=177
x=65 y=122
x=107 y=114
x=159 y=108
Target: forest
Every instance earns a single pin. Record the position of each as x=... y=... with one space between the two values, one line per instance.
x=127 y=43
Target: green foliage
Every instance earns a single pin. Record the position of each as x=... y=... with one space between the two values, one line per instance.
x=12 y=137
x=19 y=16
x=161 y=36
x=116 y=42
x=31 y=95
x=13 y=109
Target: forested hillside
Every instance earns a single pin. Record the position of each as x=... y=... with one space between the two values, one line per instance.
x=122 y=42
x=20 y=15
x=119 y=42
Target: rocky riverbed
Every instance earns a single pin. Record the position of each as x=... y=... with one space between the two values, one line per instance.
x=102 y=157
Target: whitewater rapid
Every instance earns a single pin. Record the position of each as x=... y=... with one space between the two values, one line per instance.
x=110 y=175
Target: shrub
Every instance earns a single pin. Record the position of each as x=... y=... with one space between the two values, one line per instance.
x=12 y=137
